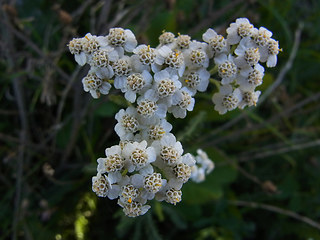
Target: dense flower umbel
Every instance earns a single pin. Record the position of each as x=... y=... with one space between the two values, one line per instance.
x=149 y=163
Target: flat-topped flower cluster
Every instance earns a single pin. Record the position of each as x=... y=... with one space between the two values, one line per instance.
x=149 y=163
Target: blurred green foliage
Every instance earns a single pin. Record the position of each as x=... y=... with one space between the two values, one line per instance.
x=51 y=132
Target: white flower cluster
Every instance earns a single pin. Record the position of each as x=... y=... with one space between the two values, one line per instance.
x=239 y=70
x=148 y=163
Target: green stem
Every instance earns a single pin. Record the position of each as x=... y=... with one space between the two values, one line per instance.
x=125 y=171
x=216 y=82
x=213 y=70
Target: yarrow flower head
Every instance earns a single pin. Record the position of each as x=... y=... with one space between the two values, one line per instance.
x=182 y=101
x=135 y=83
x=149 y=162
x=240 y=29
x=172 y=59
x=166 y=38
x=196 y=55
x=107 y=185
x=183 y=169
x=127 y=123
x=168 y=149
x=248 y=53
x=196 y=80
x=227 y=69
x=183 y=41
x=203 y=166
x=134 y=209
x=250 y=78
x=217 y=43
x=156 y=129
x=119 y=37
x=227 y=99
x=113 y=161
x=95 y=85
x=138 y=155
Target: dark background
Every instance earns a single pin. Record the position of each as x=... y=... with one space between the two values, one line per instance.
x=266 y=181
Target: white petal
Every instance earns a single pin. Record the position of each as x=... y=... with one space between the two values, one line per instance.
x=155 y=68
x=179 y=112
x=176 y=98
x=110 y=71
x=119 y=130
x=225 y=81
x=203 y=85
x=130 y=96
x=266 y=32
x=114 y=177
x=105 y=88
x=161 y=110
x=166 y=126
x=116 y=149
x=151 y=95
x=220 y=109
x=120 y=82
x=114 y=192
x=94 y=94
x=139 y=48
x=245 y=71
x=174 y=183
x=209 y=34
x=161 y=75
x=226 y=89
x=263 y=54
x=81 y=58
x=191 y=105
x=151 y=154
x=144 y=209
x=233 y=38
x=272 y=61
x=188 y=159
x=148 y=169
x=164 y=51
x=131 y=168
x=130 y=45
x=259 y=68
x=237 y=93
x=137 y=180
x=113 y=56
x=101 y=166
x=240 y=62
x=181 y=70
x=220 y=58
x=131 y=42
x=146 y=76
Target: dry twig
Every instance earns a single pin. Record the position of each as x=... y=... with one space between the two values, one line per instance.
x=277 y=210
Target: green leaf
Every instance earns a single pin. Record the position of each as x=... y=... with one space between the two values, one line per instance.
x=106 y=109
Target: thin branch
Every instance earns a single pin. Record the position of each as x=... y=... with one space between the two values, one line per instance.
x=71 y=81
x=213 y=16
x=24 y=130
x=30 y=146
x=239 y=168
x=277 y=210
x=104 y=14
x=278 y=151
x=120 y=15
x=24 y=38
x=79 y=112
x=80 y=10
